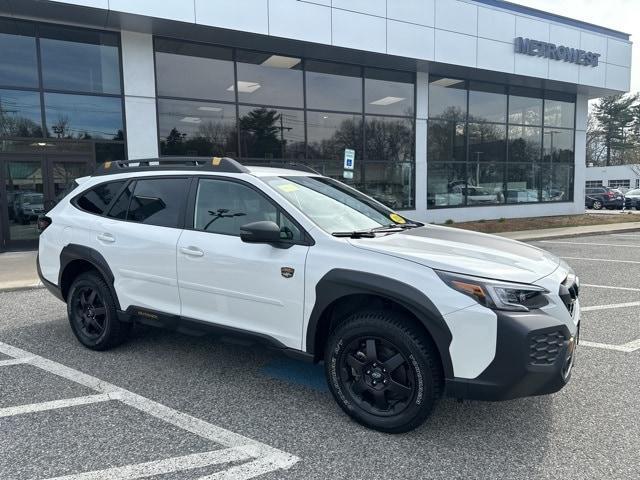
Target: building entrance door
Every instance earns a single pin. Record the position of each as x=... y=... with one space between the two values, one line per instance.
x=30 y=186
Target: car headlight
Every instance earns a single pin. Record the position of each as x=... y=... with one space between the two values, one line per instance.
x=495 y=294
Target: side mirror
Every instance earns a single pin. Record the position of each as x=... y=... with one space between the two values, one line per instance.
x=260 y=232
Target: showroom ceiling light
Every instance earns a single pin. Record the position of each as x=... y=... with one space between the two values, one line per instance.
x=245 y=87
x=447 y=82
x=278 y=61
x=387 y=101
x=210 y=109
x=191 y=119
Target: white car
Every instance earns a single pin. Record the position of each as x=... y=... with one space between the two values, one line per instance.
x=401 y=313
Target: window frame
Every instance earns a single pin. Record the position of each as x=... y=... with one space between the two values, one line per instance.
x=305 y=240
x=74 y=200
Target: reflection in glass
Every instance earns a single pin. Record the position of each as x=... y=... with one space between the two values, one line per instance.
x=559 y=114
x=333 y=87
x=83 y=117
x=194 y=71
x=390 y=184
x=557 y=182
x=20 y=114
x=525 y=144
x=109 y=152
x=487 y=142
x=487 y=103
x=329 y=134
x=80 y=61
x=19 y=60
x=388 y=93
x=266 y=79
x=197 y=128
x=267 y=133
x=447 y=99
x=64 y=174
x=525 y=110
x=558 y=145
x=446 y=184
x=446 y=142
x=389 y=139
x=485 y=183
x=25 y=199
x=522 y=183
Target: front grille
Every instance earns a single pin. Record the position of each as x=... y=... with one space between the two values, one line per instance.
x=569 y=291
x=544 y=348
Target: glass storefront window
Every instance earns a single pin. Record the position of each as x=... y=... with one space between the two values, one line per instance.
x=558 y=145
x=487 y=103
x=559 y=114
x=333 y=87
x=487 y=142
x=329 y=134
x=446 y=141
x=557 y=182
x=20 y=114
x=267 y=133
x=266 y=79
x=83 y=117
x=389 y=139
x=80 y=60
x=19 y=57
x=525 y=144
x=390 y=184
x=448 y=99
x=191 y=70
x=388 y=93
x=525 y=109
x=485 y=183
x=522 y=183
x=446 y=184
x=109 y=152
x=196 y=128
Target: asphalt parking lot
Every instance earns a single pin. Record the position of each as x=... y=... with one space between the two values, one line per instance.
x=171 y=406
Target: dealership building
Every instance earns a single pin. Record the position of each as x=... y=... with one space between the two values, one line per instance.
x=441 y=109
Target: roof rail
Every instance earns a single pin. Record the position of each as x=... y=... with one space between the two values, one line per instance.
x=289 y=165
x=214 y=164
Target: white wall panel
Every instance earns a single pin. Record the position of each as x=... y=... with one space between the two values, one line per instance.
x=569 y=37
x=564 y=71
x=618 y=78
x=409 y=40
x=593 y=76
x=137 y=64
x=592 y=42
x=534 y=29
x=183 y=11
x=493 y=55
x=142 y=131
x=245 y=15
x=371 y=7
x=531 y=66
x=455 y=48
x=457 y=16
x=300 y=20
x=619 y=53
x=359 y=31
x=496 y=25
x=413 y=11
x=582 y=109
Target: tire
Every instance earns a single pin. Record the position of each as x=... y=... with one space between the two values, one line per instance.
x=92 y=313
x=382 y=351
x=597 y=205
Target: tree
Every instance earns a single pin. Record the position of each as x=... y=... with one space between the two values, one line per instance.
x=617 y=117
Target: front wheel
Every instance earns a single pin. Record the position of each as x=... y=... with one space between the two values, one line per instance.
x=383 y=371
x=92 y=313
x=596 y=205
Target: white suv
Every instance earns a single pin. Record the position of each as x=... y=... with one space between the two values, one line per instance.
x=400 y=312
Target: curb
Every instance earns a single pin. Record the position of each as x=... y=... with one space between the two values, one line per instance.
x=19 y=288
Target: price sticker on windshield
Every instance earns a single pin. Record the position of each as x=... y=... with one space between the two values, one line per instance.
x=397 y=218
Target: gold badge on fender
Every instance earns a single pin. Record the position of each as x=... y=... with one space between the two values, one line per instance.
x=287 y=272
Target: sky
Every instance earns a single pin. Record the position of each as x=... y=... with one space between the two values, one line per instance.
x=622 y=15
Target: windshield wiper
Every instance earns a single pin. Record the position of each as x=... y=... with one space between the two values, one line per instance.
x=371 y=233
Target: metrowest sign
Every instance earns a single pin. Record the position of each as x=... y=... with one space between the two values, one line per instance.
x=536 y=48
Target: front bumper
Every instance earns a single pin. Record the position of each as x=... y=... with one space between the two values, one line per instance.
x=534 y=356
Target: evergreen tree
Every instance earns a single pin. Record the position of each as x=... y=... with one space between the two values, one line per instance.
x=617 y=116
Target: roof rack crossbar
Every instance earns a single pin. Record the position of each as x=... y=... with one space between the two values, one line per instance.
x=291 y=166
x=215 y=164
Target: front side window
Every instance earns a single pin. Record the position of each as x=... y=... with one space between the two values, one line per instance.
x=98 y=198
x=332 y=206
x=224 y=207
x=158 y=201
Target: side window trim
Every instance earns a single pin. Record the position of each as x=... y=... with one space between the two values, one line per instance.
x=306 y=240
x=132 y=183
x=74 y=200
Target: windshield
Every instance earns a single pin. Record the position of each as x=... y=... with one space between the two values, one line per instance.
x=333 y=206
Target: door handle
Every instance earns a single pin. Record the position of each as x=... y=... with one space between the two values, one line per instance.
x=192 y=251
x=106 y=237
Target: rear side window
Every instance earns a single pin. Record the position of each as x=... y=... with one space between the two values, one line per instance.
x=158 y=201
x=97 y=199
x=121 y=205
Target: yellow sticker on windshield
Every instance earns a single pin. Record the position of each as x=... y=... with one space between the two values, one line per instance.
x=288 y=187
x=397 y=218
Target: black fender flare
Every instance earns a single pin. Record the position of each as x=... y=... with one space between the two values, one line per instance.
x=339 y=283
x=74 y=252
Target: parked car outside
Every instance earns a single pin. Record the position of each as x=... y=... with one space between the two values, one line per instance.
x=598 y=198
x=633 y=197
x=28 y=206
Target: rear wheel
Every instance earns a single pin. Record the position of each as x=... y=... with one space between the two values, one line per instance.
x=383 y=371
x=92 y=313
x=597 y=205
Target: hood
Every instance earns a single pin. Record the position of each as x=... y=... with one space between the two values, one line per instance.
x=462 y=251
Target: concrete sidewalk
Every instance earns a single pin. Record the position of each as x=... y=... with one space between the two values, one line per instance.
x=18 y=269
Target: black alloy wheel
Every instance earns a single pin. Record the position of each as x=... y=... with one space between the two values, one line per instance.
x=90 y=312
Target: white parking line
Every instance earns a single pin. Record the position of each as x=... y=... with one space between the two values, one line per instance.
x=626 y=348
x=264 y=458
x=610 y=306
x=600 y=260
x=14 y=361
x=588 y=243
x=53 y=405
x=608 y=287
x=626 y=235
x=160 y=467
